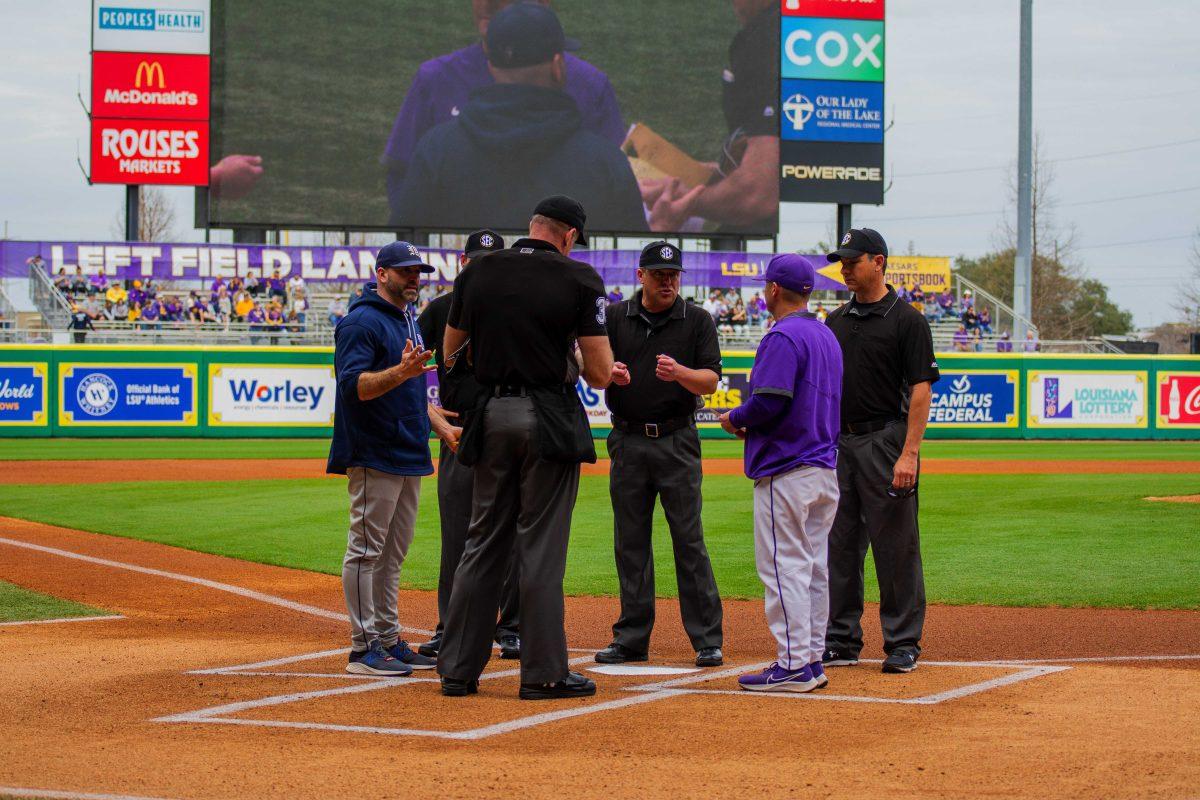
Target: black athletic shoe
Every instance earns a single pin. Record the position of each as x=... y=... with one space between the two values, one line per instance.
x=710 y=657
x=619 y=654
x=833 y=657
x=510 y=646
x=406 y=655
x=431 y=647
x=900 y=661
x=456 y=687
x=574 y=685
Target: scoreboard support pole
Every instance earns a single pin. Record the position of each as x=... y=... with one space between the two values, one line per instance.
x=844 y=222
x=132 y=202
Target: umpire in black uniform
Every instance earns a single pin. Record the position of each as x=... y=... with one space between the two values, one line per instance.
x=889 y=373
x=521 y=309
x=458 y=392
x=667 y=355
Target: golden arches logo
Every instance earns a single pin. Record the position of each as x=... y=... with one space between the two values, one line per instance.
x=148 y=70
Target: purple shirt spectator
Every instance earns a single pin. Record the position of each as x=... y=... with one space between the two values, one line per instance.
x=172 y=311
x=276 y=284
x=960 y=338
x=946 y=300
x=442 y=85
x=256 y=316
x=99 y=280
x=136 y=297
x=797 y=381
x=151 y=312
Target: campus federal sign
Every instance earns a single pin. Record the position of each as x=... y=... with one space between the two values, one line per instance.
x=975 y=399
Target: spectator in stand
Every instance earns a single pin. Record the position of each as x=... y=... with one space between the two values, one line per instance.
x=299 y=312
x=337 y=310
x=215 y=290
x=62 y=281
x=961 y=340
x=109 y=314
x=255 y=318
x=616 y=296
x=116 y=293
x=919 y=304
x=98 y=283
x=252 y=285
x=970 y=319
x=822 y=313
x=976 y=340
x=151 y=315
x=710 y=305
x=121 y=311
x=724 y=317
x=275 y=319
x=136 y=295
x=172 y=309
x=242 y=305
x=985 y=320
x=236 y=284
x=295 y=284
x=356 y=296
x=945 y=302
x=223 y=307
x=968 y=300
x=738 y=317
x=79 y=324
x=1004 y=344
x=753 y=312
x=1031 y=345
x=904 y=294
x=276 y=288
x=150 y=287
x=79 y=283
x=761 y=302
x=93 y=307
x=135 y=313
x=918 y=295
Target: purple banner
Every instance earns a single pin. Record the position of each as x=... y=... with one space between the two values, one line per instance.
x=176 y=262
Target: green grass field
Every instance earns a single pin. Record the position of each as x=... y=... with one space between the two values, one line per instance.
x=1070 y=540
x=22 y=605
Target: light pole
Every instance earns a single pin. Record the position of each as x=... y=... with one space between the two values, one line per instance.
x=1023 y=267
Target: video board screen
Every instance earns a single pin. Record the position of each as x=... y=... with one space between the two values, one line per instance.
x=656 y=115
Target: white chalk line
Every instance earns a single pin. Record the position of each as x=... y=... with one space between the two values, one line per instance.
x=54 y=794
x=60 y=620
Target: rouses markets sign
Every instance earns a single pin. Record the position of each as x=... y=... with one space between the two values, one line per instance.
x=975 y=399
x=1078 y=399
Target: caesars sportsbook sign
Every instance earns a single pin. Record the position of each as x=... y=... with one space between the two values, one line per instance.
x=150 y=92
x=831 y=101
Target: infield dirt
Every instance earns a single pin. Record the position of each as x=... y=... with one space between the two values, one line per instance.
x=80 y=700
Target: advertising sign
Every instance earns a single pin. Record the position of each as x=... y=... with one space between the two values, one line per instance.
x=847 y=9
x=931 y=273
x=731 y=392
x=127 y=394
x=1179 y=400
x=831 y=172
x=270 y=395
x=150 y=86
x=1079 y=399
x=832 y=111
x=836 y=49
x=152 y=26
x=975 y=399
x=23 y=394
x=149 y=152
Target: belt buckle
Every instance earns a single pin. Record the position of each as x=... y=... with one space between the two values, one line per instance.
x=651 y=430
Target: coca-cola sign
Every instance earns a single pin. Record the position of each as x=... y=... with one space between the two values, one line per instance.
x=1179 y=399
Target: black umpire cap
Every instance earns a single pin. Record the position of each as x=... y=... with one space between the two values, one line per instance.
x=482 y=242
x=525 y=34
x=858 y=241
x=661 y=255
x=566 y=210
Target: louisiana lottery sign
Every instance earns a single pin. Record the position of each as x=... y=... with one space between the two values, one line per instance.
x=127 y=394
x=1078 y=399
x=150 y=152
x=247 y=394
x=150 y=86
x=975 y=399
x=1179 y=400
x=23 y=394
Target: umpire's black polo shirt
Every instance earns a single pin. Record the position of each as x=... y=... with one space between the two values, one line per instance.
x=687 y=334
x=886 y=348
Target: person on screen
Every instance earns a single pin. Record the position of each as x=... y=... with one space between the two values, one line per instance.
x=517 y=141
x=744 y=195
x=443 y=85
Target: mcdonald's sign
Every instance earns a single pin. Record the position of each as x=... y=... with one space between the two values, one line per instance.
x=150 y=86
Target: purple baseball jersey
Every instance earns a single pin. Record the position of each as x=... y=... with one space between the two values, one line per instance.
x=799 y=361
x=442 y=85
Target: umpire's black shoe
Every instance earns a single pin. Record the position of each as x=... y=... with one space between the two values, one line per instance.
x=431 y=647
x=574 y=685
x=833 y=657
x=900 y=661
x=510 y=646
x=619 y=654
x=457 y=687
x=710 y=657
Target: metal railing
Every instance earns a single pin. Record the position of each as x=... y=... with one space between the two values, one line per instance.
x=54 y=308
x=1004 y=317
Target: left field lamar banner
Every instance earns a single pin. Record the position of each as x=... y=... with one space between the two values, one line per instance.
x=133 y=394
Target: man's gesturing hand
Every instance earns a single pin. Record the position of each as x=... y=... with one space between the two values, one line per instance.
x=412 y=363
x=620 y=374
x=667 y=369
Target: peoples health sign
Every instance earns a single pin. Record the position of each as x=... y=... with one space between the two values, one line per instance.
x=1078 y=399
x=272 y=395
x=151 y=26
x=975 y=399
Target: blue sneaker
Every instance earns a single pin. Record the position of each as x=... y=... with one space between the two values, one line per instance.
x=376 y=661
x=405 y=655
x=777 y=679
x=818 y=671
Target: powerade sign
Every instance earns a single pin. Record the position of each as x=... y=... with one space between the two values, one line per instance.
x=975 y=399
x=23 y=394
x=831 y=111
x=835 y=49
x=149 y=19
x=112 y=394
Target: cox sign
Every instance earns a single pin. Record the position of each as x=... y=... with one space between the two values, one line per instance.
x=838 y=49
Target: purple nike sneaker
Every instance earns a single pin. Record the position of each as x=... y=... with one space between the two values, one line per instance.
x=818 y=671
x=777 y=679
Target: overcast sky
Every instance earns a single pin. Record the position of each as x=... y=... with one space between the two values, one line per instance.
x=1111 y=76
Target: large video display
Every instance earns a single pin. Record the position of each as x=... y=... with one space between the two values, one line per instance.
x=657 y=115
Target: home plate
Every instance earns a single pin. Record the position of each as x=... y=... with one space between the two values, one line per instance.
x=629 y=669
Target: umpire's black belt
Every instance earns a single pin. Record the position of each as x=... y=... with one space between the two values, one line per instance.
x=651 y=430
x=510 y=390
x=871 y=426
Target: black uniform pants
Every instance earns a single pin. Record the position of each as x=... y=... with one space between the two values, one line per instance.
x=455 y=486
x=667 y=468
x=867 y=514
x=519 y=499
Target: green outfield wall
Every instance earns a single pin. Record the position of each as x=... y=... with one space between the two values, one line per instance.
x=84 y=390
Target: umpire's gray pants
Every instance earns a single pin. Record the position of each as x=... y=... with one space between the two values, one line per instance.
x=867 y=514
x=383 y=515
x=455 y=487
x=518 y=496
x=668 y=468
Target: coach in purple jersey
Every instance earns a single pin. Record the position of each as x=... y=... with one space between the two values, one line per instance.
x=791 y=425
x=442 y=86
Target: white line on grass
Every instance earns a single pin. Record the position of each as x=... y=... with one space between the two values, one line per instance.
x=17 y=791
x=57 y=621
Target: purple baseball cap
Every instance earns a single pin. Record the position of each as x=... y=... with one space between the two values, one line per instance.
x=791 y=271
